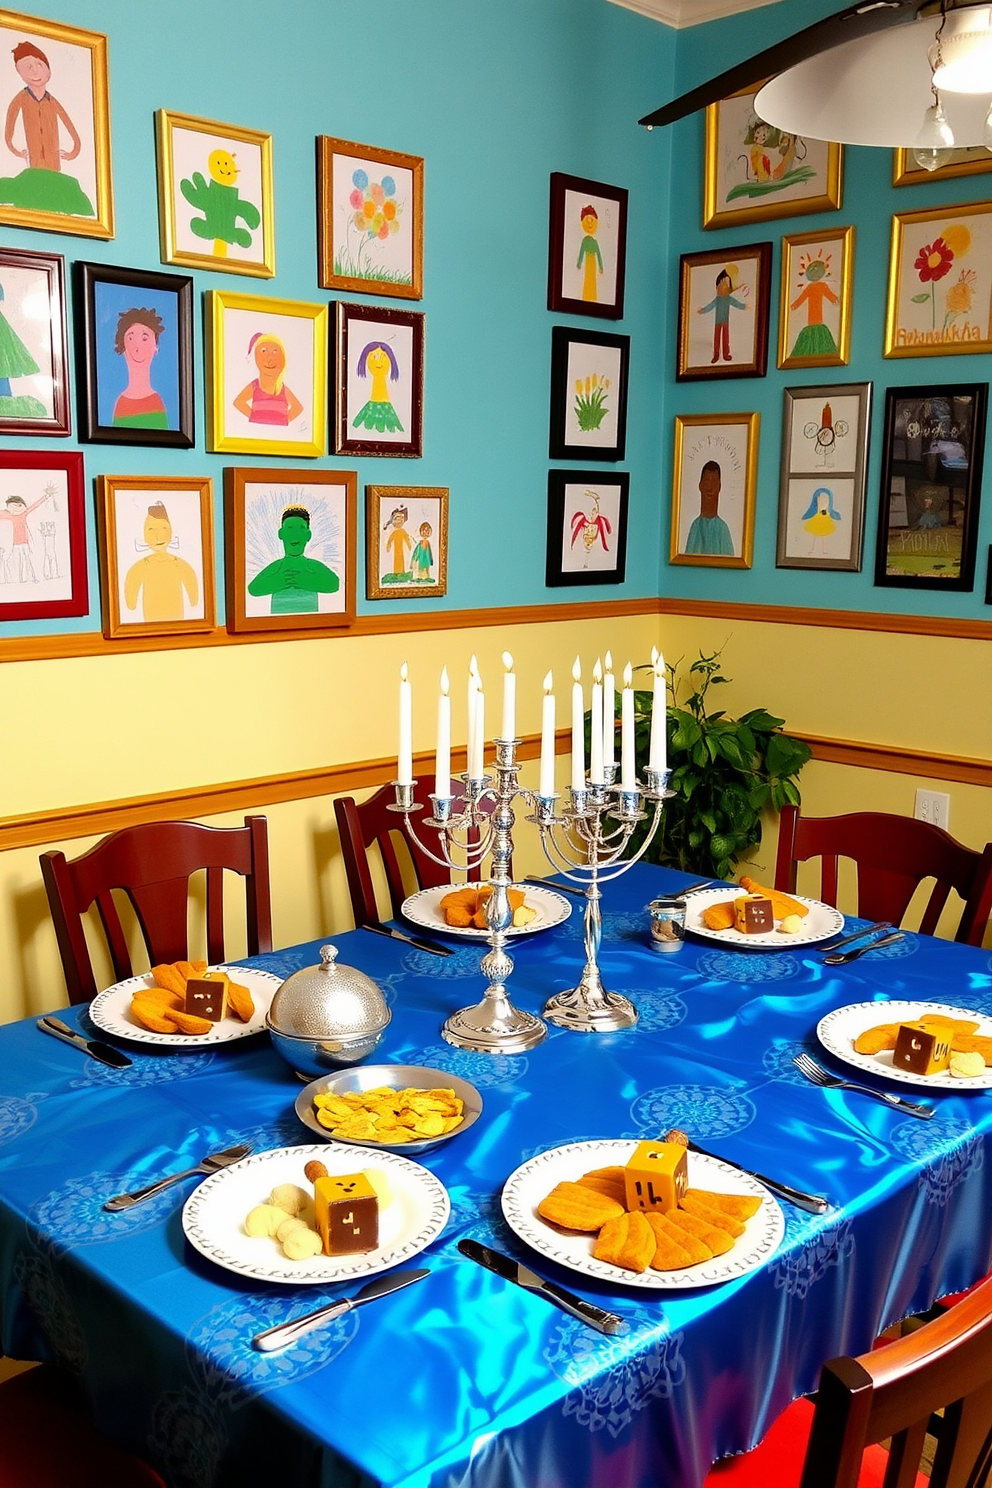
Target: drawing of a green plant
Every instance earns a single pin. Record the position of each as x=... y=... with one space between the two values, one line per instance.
x=591 y=405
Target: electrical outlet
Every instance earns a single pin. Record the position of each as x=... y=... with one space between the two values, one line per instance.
x=933 y=807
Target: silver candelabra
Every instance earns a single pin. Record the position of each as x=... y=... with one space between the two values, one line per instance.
x=580 y=843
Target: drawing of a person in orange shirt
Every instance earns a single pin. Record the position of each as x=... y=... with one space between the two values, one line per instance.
x=41 y=124
x=16 y=511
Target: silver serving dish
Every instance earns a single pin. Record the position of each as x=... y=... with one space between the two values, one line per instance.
x=326 y=1016
x=397 y=1077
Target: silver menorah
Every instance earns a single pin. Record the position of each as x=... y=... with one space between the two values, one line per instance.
x=580 y=843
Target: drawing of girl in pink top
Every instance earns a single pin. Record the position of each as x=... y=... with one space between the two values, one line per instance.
x=267 y=400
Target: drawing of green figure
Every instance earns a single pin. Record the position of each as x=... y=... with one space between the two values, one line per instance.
x=422 y=558
x=399 y=541
x=295 y=581
x=221 y=205
x=815 y=338
x=378 y=413
x=590 y=259
x=16 y=361
x=43 y=123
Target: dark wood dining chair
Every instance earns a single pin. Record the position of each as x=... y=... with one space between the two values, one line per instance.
x=892 y=1392
x=152 y=865
x=48 y=1439
x=362 y=828
x=894 y=855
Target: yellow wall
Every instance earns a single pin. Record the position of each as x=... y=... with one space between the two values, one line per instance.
x=98 y=729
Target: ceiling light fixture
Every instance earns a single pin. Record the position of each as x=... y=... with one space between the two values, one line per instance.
x=936 y=137
x=961 y=57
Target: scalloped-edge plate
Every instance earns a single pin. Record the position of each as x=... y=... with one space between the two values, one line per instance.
x=838 y=1030
x=533 y=1180
x=821 y=922
x=111 y=1012
x=214 y=1215
x=423 y=908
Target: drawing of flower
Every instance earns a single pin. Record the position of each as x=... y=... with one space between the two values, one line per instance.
x=374 y=214
x=933 y=261
x=590 y=526
x=591 y=402
x=961 y=294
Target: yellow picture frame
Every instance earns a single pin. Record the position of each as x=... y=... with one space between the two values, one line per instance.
x=726 y=181
x=244 y=219
x=126 y=506
x=730 y=442
x=944 y=254
x=967 y=161
x=835 y=242
x=239 y=328
x=97 y=133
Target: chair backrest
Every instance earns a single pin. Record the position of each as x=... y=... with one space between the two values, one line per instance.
x=894 y=1391
x=372 y=824
x=152 y=865
x=893 y=854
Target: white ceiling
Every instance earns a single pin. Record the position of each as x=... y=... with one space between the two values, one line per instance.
x=680 y=13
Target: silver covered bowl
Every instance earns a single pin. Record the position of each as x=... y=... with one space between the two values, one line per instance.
x=327 y=1016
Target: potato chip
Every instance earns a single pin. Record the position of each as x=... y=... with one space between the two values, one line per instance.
x=390 y=1116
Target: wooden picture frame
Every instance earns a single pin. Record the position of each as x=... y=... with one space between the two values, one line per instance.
x=754 y=172
x=156 y=555
x=967 y=160
x=135 y=356
x=416 y=563
x=824 y=469
x=267 y=369
x=941 y=258
x=370 y=219
x=379 y=381
x=42 y=536
x=817 y=286
x=934 y=443
x=33 y=360
x=215 y=195
x=72 y=194
x=731 y=288
x=287 y=535
x=587 y=527
x=589 y=376
x=713 y=509
x=587 y=247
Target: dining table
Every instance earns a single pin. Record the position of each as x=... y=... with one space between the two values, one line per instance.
x=464 y=1380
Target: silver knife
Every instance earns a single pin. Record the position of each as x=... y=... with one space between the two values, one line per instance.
x=421 y=945
x=835 y=945
x=521 y=1275
x=812 y=1203
x=283 y=1334
x=551 y=883
x=105 y=1053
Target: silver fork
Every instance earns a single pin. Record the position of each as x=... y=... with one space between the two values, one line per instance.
x=815 y=1073
x=211 y=1164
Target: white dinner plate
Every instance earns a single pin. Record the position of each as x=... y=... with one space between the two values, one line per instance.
x=423 y=908
x=397 y=1077
x=821 y=922
x=214 y=1214
x=838 y=1030
x=534 y=1180
x=111 y=1011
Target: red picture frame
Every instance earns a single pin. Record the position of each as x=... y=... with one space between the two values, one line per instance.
x=56 y=556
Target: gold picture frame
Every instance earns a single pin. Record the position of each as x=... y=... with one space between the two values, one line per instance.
x=386 y=189
x=967 y=160
x=168 y=521
x=81 y=103
x=814 y=328
x=752 y=179
x=248 y=335
x=180 y=197
x=701 y=536
x=424 y=509
x=940 y=258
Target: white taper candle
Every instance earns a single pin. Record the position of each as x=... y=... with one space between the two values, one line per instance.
x=547 y=785
x=509 y=727
x=578 y=730
x=609 y=713
x=404 y=761
x=627 y=771
x=658 y=752
x=596 y=727
x=442 y=762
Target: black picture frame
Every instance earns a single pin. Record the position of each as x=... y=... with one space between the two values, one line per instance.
x=565 y=230
x=932 y=454
x=569 y=493
x=101 y=290
x=699 y=274
x=575 y=410
x=22 y=272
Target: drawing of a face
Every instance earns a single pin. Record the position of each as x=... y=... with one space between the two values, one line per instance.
x=761 y=133
x=590 y=224
x=269 y=355
x=294 y=535
x=378 y=361
x=709 y=489
x=35 y=73
x=815 y=270
x=158 y=529
x=222 y=167
x=140 y=345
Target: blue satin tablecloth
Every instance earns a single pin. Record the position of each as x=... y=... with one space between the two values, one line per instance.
x=463 y=1381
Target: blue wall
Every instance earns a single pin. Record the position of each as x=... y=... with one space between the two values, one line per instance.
x=495 y=97
x=869 y=202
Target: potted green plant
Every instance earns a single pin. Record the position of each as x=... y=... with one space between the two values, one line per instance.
x=725 y=772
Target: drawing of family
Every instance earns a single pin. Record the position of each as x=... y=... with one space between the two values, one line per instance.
x=16 y=562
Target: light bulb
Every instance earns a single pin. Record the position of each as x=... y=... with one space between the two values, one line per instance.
x=934 y=139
